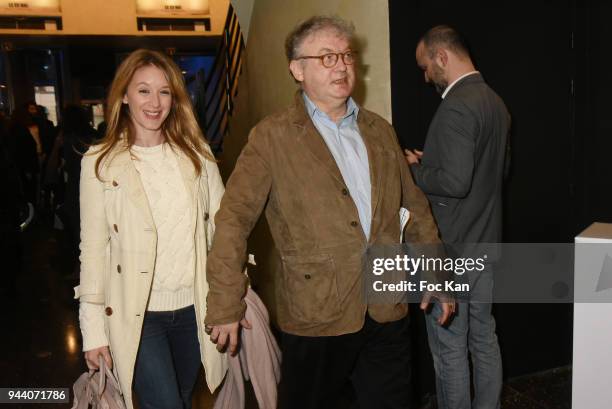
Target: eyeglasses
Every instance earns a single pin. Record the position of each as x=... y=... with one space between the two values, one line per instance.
x=330 y=60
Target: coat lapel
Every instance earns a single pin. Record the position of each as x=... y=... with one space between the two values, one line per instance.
x=315 y=143
x=310 y=137
x=135 y=189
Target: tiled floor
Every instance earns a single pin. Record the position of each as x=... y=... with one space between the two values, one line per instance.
x=40 y=343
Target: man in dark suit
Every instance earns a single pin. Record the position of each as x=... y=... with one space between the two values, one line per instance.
x=461 y=171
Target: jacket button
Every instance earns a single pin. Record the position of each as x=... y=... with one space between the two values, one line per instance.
x=115 y=183
x=345 y=192
x=354 y=223
x=307 y=276
x=206 y=216
x=108 y=311
x=119 y=268
x=115 y=228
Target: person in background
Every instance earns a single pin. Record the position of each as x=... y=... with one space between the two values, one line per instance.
x=50 y=187
x=148 y=192
x=37 y=130
x=48 y=131
x=28 y=151
x=75 y=136
x=461 y=171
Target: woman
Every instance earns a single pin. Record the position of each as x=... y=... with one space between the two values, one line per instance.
x=149 y=191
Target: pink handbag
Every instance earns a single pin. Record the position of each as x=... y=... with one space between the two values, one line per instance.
x=98 y=390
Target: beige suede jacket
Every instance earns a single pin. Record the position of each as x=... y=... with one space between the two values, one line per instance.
x=287 y=169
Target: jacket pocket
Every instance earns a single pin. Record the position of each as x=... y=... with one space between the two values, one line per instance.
x=311 y=288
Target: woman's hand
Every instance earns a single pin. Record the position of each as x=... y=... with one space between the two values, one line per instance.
x=92 y=357
x=227 y=336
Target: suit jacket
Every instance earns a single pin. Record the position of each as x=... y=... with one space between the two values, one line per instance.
x=463 y=163
x=287 y=169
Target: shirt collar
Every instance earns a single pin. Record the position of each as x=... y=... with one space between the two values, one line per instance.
x=312 y=109
x=447 y=90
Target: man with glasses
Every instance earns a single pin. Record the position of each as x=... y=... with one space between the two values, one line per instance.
x=332 y=179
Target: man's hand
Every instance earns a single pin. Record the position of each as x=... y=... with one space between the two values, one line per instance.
x=413 y=156
x=446 y=303
x=92 y=357
x=226 y=335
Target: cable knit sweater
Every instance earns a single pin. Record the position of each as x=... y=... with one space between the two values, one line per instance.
x=175 y=263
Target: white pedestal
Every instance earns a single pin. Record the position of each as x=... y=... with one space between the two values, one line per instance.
x=592 y=358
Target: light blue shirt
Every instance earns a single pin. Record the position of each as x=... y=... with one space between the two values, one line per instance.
x=346 y=146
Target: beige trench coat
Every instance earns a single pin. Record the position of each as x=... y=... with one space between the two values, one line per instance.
x=118 y=249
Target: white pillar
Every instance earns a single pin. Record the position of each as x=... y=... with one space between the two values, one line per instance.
x=592 y=358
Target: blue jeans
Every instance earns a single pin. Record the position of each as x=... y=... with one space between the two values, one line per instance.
x=473 y=329
x=168 y=359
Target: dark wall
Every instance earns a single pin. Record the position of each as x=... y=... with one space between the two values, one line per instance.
x=593 y=88
x=525 y=56
x=549 y=62
x=91 y=69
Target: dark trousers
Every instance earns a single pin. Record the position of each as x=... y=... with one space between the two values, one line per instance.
x=375 y=361
x=168 y=360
